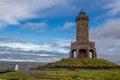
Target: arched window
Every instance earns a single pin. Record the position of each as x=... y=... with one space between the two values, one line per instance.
x=74 y=53
x=91 y=55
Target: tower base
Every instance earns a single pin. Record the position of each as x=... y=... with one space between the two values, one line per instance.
x=83 y=50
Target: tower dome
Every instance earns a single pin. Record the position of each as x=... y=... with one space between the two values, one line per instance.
x=82 y=12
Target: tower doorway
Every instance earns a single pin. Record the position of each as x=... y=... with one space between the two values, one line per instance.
x=82 y=53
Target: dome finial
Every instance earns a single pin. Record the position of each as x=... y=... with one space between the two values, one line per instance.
x=82 y=11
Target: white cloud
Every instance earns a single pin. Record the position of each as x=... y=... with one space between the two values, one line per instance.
x=62 y=43
x=31 y=60
x=113 y=6
x=23 y=46
x=68 y=25
x=107 y=39
x=46 y=55
x=38 y=47
x=34 y=26
x=108 y=30
x=31 y=52
x=12 y=12
x=17 y=60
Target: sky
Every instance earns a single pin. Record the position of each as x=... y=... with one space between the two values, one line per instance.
x=42 y=30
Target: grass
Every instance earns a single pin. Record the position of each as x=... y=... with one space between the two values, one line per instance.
x=15 y=76
x=5 y=71
x=75 y=63
x=84 y=62
x=81 y=75
x=65 y=75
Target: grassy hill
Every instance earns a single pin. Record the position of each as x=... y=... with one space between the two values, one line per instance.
x=83 y=62
x=80 y=63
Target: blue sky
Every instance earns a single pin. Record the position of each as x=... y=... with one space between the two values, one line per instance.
x=41 y=30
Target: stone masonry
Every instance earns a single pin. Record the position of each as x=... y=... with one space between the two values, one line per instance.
x=82 y=48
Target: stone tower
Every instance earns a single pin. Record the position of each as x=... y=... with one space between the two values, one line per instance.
x=82 y=48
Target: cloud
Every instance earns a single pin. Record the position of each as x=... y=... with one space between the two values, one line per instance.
x=47 y=51
x=30 y=60
x=22 y=46
x=107 y=39
x=113 y=7
x=110 y=29
x=35 y=26
x=11 y=12
x=56 y=46
x=68 y=25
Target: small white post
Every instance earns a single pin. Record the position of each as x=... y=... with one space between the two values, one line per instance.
x=16 y=67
